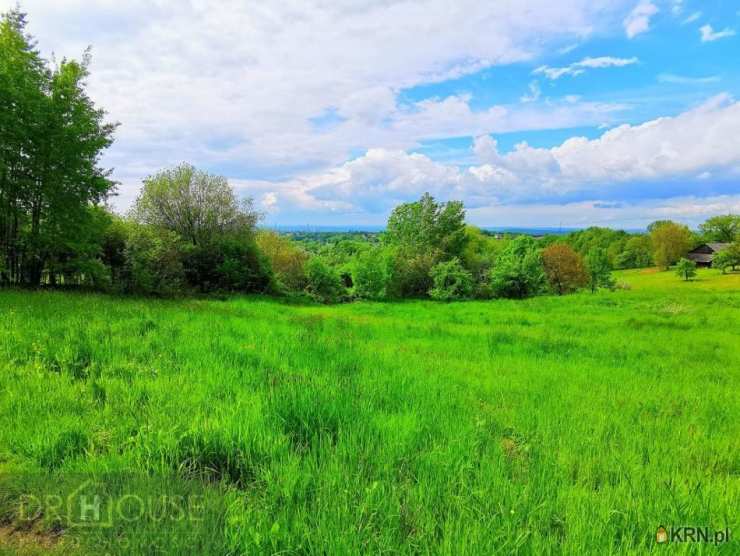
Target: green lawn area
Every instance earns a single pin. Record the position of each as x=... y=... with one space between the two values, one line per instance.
x=571 y=425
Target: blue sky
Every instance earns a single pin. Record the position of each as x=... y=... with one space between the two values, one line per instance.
x=535 y=113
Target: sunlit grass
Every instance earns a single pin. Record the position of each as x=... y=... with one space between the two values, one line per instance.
x=570 y=424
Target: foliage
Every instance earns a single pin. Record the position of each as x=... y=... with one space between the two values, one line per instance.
x=637 y=253
x=409 y=272
x=426 y=226
x=196 y=205
x=51 y=140
x=728 y=257
x=598 y=270
x=287 y=260
x=451 y=281
x=724 y=228
x=564 y=268
x=323 y=281
x=686 y=269
x=154 y=262
x=227 y=264
x=479 y=256
x=370 y=274
x=518 y=271
x=670 y=242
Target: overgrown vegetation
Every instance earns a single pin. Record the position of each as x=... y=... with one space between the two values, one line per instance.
x=571 y=425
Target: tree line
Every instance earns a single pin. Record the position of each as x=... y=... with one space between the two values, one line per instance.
x=188 y=233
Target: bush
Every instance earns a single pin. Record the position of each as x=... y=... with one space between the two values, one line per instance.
x=727 y=258
x=599 y=270
x=227 y=264
x=286 y=259
x=153 y=262
x=564 y=268
x=370 y=274
x=686 y=269
x=518 y=271
x=410 y=273
x=323 y=282
x=451 y=281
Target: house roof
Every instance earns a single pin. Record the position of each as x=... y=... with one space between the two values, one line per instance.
x=701 y=257
x=717 y=246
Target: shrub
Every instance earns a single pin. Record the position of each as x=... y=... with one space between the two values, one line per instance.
x=598 y=270
x=564 y=268
x=227 y=264
x=686 y=269
x=409 y=273
x=153 y=262
x=727 y=258
x=323 y=282
x=518 y=271
x=451 y=281
x=286 y=259
x=370 y=274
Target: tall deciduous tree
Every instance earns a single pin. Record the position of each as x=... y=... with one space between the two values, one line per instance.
x=598 y=270
x=198 y=206
x=670 y=241
x=564 y=268
x=51 y=140
x=724 y=228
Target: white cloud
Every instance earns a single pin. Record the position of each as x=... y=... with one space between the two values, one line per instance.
x=690 y=19
x=638 y=21
x=236 y=86
x=577 y=68
x=685 y=80
x=534 y=92
x=708 y=34
x=658 y=151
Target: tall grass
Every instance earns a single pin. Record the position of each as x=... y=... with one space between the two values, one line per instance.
x=574 y=424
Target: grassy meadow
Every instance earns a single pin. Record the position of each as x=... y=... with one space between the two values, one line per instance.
x=554 y=425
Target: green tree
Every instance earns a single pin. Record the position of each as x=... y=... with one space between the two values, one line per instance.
x=686 y=269
x=670 y=242
x=323 y=281
x=427 y=226
x=451 y=281
x=564 y=268
x=370 y=274
x=518 y=271
x=637 y=253
x=724 y=228
x=727 y=258
x=198 y=206
x=287 y=259
x=598 y=270
x=51 y=140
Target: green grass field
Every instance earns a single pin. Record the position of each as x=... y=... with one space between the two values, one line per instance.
x=555 y=425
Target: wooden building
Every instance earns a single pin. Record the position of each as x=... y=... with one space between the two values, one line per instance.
x=704 y=254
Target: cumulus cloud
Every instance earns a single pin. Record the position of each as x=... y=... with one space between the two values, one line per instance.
x=577 y=68
x=237 y=86
x=638 y=20
x=708 y=34
x=658 y=151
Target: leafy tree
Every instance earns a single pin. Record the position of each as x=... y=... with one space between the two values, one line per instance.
x=426 y=226
x=451 y=281
x=637 y=253
x=51 y=140
x=370 y=274
x=727 y=258
x=286 y=258
x=686 y=269
x=479 y=256
x=518 y=271
x=670 y=242
x=409 y=274
x=725 y=228
x=598 y=270
x=198 y=206
x=324 y=284
x=154 y=262
x=564 y=268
